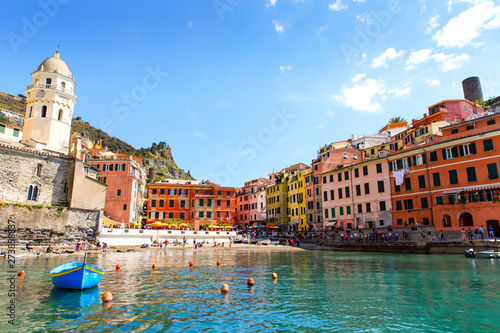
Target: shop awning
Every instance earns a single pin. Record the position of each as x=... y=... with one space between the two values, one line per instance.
x=331 y=223
x=482 y=187
x=454 y=191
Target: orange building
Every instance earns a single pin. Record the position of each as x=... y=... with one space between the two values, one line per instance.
x=195 y=202
x=125 y=176
x=453 y=182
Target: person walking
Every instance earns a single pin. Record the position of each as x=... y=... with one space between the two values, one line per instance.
x=477 y=233
x=490 y=231
x=481 y=231
x=442 y=236
x=463 y=234
x=470 y=234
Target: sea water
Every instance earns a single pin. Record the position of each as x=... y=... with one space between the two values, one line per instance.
x=315 y=292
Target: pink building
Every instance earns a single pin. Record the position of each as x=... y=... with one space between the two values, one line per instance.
x=357 y=196
x=451 y=110
x=331 y=157
x=251 y=203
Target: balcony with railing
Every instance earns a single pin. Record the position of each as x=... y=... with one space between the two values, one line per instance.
x=50 y=86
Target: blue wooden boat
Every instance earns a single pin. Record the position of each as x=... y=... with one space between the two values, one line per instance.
x=76 y=275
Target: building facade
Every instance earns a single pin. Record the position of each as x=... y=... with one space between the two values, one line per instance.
x=453 y=182
x=196 y=203
x=125 y=177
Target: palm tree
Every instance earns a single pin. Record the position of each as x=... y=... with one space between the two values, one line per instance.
x=395 y=120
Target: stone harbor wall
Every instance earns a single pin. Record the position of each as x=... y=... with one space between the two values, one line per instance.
x=54 y=225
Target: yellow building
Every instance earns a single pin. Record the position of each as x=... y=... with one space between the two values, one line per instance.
x=276 y=201
x=296 y=201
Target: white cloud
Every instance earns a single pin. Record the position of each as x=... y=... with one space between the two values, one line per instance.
x=433 y=23
x=190 y=24
x=285 y=68
x=404 y=91
x=358 y=78
x=418 y=57
x=320 y=126
x=337 y=5
x=271 y=3
x=330 y=113
x=280 y=27
x=432 y=82
x=463 y=29
x=450 y=62
x=364 y=18
x=361 y=96
x=389 y=54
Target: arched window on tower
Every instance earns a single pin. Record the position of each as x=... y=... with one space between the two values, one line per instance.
x=31 y=112
x=63 y=84
x=48 y=82
x=60 y=114
x=33 y=192
x=43 y=114
x=39 y=170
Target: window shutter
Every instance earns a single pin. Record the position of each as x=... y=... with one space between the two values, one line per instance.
x=123 y=167
x=399 y=164
x=461 y=148
x=454 y=151
x=414 y=160
x=473 y=148
x=444 y=154
x=424 y=158
x=390 y=166
x=409 y=161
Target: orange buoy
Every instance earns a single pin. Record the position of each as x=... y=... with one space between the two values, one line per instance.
x=21 y=273
x=218 y=263
x=224 y=289
x=154 y=266
x=250 y=282
x=118 y=266
x=107 y=297
x=191 y=264
x=274 y=276
x=251 y=290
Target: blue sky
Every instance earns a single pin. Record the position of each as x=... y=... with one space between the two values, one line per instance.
x=241 y=87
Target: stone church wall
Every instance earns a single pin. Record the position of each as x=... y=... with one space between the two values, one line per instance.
x=18 y=169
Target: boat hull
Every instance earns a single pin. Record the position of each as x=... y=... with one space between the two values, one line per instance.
x=76 y=275
x=488 y=255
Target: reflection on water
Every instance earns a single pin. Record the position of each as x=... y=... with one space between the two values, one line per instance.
x=315 y=291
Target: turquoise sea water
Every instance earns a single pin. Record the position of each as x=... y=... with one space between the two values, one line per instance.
x=315 y=292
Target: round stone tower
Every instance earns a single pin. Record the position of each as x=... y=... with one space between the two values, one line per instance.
x=50 y=103
x=472 y=89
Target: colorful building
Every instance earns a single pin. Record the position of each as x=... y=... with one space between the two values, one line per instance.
x=11 y=125
x=357 y=196
x=251 y=203
x=125 y=177
x=452 y=182
x=334 y=156
x=199 y=204
x=296 y=201
x=450 y=110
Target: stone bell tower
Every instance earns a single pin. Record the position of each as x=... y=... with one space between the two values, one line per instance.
x=50 y=103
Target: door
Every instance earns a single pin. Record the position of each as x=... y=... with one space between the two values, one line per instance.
x=495 y=225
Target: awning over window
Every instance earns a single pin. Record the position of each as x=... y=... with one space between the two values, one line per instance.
x=331 y=223
x=454 y=191
x=482 y=187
